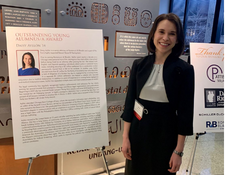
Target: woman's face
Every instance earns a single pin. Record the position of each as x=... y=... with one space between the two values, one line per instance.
x=165 y=37
x=27 y=60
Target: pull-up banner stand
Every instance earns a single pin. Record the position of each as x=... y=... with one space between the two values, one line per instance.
x=208 y=62
x=57 y=86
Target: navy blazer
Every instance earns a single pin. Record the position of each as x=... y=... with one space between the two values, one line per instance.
x=178 y=77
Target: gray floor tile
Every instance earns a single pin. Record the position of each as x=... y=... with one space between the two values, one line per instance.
x=208 y=159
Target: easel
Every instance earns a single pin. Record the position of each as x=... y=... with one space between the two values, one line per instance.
x=191 y=160
x=30 y=162
x=99 y=149
x=104 y=160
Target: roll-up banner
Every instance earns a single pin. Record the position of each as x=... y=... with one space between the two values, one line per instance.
x=208 y=62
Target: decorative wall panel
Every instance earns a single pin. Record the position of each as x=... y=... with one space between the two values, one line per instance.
x=110 y=16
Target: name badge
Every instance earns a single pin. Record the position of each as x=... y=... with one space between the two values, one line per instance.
x=138 y=110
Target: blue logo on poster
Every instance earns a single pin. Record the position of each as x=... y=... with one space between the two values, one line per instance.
x=212 y=124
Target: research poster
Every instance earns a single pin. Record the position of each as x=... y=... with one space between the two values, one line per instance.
x=57 y=85
x=208 y=62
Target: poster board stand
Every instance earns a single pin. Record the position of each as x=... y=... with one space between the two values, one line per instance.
x=78 y=111
x=30 y=162
x=99 y=149
x=104 y=160
x=192 y=156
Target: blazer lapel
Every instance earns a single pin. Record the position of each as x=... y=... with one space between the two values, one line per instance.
x=169 y=60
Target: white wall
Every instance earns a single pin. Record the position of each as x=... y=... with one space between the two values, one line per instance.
x=164 y=6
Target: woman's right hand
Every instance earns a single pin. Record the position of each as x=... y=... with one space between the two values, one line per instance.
x=126 y=149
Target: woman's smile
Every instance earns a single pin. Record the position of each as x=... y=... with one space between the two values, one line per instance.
x=27 y=61
x=163 y=44
x=165 y=37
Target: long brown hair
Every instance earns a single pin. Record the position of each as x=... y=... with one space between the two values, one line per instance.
x=179 y=47
x=32 y=59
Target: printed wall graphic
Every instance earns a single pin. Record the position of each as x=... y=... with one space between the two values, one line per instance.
x=116 y=82
x=3 y=54
x=116 y=14
x=130 y=17
x=146 y=18
x=208 y=61
x=99 y=13
x=76 y=10
x=5 y=108
x=125 y=73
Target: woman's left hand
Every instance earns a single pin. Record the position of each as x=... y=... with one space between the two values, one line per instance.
x=175 y=162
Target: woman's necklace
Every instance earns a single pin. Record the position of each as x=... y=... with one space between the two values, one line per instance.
x=159 y=67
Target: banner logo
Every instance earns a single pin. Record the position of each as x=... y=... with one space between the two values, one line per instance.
x=215 y=124
x=210 y=53
x=215 y=73
x=214 y=98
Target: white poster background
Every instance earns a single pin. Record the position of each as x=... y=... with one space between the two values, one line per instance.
x=208 y=62
x=64 y=108
x=93 y=157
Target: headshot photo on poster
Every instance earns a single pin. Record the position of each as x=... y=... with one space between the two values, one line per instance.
x=28 y=62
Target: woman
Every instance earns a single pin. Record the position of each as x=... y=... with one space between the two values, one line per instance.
x=28 y=65
x=161 y=91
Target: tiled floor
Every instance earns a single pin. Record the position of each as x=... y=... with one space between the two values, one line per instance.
x=209 y=156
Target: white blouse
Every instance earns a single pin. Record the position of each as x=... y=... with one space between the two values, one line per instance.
x=154 y=89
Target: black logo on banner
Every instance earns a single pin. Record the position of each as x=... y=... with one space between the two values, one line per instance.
x=214 y=98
